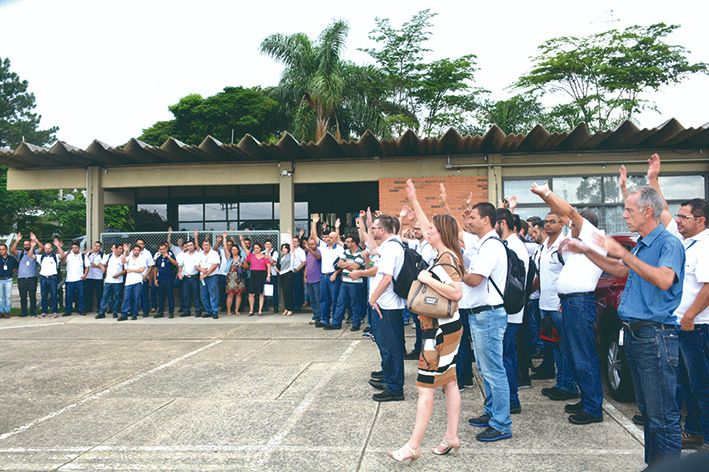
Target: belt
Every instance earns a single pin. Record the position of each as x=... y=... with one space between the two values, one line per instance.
x=480 y=309
x=189 y=276
x=634 y=325
x=6 y=278
x=330 y=273
x=577 y=294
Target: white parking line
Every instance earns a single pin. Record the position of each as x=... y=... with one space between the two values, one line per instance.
x=624 y=422
x=36 y=325
x=105 y=391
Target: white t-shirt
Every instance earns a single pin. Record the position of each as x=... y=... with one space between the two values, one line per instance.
x=224 y=263
x=113 y=266
x=188 y=262
x=148 y=257
x=489 y=261
x=48 y=264
x=549 y=269
x=516 y=245
x=175 y=250
x=374 y=258
x=579 y=274
x=75 y=266
x=297 y=257
x=424 y=248
x=208 y=259
x=95 y=272
x=696 y=274
x=132 y=262
x=329 y=255
x=391 y=260
x=274 y=256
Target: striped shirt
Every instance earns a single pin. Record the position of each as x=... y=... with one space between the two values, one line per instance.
x=350 y=257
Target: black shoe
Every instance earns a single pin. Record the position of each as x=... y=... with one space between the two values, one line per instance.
x=318 y=324
x=66 y=314
x=100 y=317
x=171 y=316
x=159 y=315
x=560 y=395
x=548 y=391
x=376 y=384
x=639 y=420
x=387 y=396
x=198 y=315
x=331 y=327
x=183 y=315
x=115 y=315
x=584 y=418
x=482 y=421
x=573 y=408
x=538 y=354
x=412 y=356
x=82 y=314
x=542 y=375
x=354 y=328
x=134 y=318
x=122 y=318
x=145 y=315
x=216 y=317
x=492 y=435
x=524 y=384
x=515 y=410
x=377 y=374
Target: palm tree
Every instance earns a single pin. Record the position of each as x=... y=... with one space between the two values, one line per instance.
x=319 y=89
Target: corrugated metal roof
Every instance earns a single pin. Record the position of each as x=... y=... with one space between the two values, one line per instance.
x=669 y=135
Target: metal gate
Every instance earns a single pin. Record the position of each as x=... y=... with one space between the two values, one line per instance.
x=154 y=239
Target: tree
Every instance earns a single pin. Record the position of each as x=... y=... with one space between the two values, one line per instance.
x=603 y=78
x=517 y=114
x=235 y=109
x=318 y=88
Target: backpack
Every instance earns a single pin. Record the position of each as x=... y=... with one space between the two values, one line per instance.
x=513 y=298
x=413 y=264
x=56 y=259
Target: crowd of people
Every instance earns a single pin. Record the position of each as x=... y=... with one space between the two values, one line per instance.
x=470 y=263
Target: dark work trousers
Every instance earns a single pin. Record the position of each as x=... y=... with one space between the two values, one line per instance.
x=28 y=289
x=93 y=292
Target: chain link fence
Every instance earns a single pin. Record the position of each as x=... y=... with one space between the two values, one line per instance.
x=154 y=239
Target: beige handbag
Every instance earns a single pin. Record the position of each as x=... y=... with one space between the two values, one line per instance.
x=425 y=301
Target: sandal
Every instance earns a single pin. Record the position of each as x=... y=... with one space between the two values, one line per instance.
x=251 y=313
x=260 y=314
x=444 y=448
x=400 y=457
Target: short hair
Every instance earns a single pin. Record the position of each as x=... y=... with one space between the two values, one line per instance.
x=539 y=223
x=503 y=214
x=590 y=215
x=700 y=207
x=648 y=197
x=139 y=240
x=75 y=243
x=355 y=238
x=268 y=241
x=206 y=240
x=247 y=239
x=257 y=244
x=3 y=245
x=163 y=245
x=397 y=225
x=532 y=220
x=521 y=224
x=98 y=242
x=486 y=209
x=136 y=245
x=285 y=245
x=388 y=223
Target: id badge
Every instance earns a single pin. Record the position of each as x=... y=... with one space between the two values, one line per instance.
x=621 y=336
x=162 y=264
x=27 y=263
x=4 y=267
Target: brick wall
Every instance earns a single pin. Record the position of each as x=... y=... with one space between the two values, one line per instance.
x=392 y=193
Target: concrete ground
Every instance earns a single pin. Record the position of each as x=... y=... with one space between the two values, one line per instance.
x=248 y=394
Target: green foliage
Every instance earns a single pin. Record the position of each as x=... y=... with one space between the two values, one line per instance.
x=517 y=114
x=119 y=217
x=602 y=78
x=238 y=109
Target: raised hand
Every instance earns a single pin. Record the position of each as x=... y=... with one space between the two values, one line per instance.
x=359 y=222
x=623 y=176
x=369 y=217
x=512 y=203
x=316 y=217
x=337 y=223
x=410 y=190
x=653 y=167
x=301 y=233
x=33 y=237
x=18 y=236
x=403 y=212
x=444 y=193
x=126 y=248
x=540 y=190
x=469 y=200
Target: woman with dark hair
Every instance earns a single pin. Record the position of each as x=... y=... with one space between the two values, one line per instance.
x=235 y=283
x=441 y=337
x=260 y=275
x=285 y=276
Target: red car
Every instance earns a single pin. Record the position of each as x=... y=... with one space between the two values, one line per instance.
x=614 y=364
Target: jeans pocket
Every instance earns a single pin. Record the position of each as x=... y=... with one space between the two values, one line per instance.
x=671 y=343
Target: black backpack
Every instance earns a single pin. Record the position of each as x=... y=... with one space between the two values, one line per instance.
x=413 y=264
x=513 y=298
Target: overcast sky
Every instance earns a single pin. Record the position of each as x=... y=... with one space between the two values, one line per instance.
x=107 y=69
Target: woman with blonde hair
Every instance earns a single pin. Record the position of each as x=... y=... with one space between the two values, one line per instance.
x=441 y=337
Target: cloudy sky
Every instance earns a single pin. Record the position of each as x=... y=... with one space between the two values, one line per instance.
x=107 y=69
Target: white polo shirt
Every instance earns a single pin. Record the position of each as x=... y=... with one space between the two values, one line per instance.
x=188 y=262
x=424 y=248
x=536 y=258
x=224 y=263
x=391 y=260
x=75 y=266
x=696 y=274
x=274 y=256
x=95 y=272
x=328 y=256
x=489 y=261
x=297 y=257
x=208 y=259
x=148 y=257
x=549 y=269
x=48 y=265
x=579 y=274
x=141 y=262
x=113 y=266
x=516 y=245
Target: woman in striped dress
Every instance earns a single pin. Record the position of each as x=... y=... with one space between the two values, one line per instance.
x=441 y=337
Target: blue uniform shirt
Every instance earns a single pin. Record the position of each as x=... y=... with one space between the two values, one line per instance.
x=7 y=265
x=164 y=266
x=642 y=301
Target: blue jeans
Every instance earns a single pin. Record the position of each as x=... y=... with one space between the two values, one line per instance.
x=5 y=295
x=390 y=340
x=74 y=293
x=535 y=323
x=210 y=295
x=328 y=297
x=509 y=357
x=131 y=299
x=298 y=289
x=352 y=293
x=653 y=357
x=579 y=316
x=145 y=297
x=48 y=287
x=314 y=296
x=564 y=373
x=488 y=331
x=464 y=366
x=165 y=292
x=190 y=294
x=111 y=296
x=694 y=346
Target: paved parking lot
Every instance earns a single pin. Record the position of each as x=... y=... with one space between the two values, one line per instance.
x=247 y=394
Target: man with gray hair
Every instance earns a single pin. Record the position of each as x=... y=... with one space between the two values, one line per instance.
x=655 y=271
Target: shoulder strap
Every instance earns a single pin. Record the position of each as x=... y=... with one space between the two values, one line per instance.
x=490 y=279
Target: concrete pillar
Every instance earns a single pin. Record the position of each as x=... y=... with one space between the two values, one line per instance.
x=286 y=192
x=94 y=204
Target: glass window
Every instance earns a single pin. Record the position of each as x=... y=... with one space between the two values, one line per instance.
x=232 y=211
x=529 y=211
x=682 y=187
x=301 y=210
x=190 y=211
x=612 y=190
x=214 y=211
x=156 y=212
x=520 y=188
x=302 y=224
x=216 y=226
x=612 y=220
x=258 y=225
x=578 y=189
x=256 y=211
x=190 y=226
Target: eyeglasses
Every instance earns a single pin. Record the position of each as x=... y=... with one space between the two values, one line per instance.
x=685 y=217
